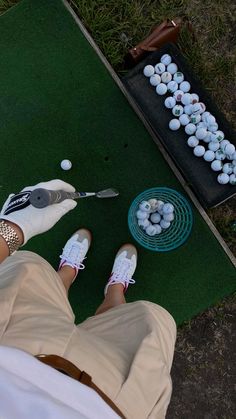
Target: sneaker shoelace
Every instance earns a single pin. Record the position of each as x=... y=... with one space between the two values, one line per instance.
x=122 y=274
x=72 y=256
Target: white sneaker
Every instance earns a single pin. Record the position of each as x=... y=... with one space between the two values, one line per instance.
x=124 y=267
x=75 y=250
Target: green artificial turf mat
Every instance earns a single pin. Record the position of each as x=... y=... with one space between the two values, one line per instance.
x=57 y=100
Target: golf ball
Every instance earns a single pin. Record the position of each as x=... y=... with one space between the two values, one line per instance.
x=174 y=124
x=148 y=70
x=210 y=119
x=223 y=178
x=212 y=127
x=160 y=68
x=161 y=89
x=232 y=179
x=141 y=215
x=229 y=149
x=219 y=135
x=184 y=119
x=151 y=230
x=199 y=151
x=166 y=59
x=144 y=223
x=177 y=110
x=201 y=133
x=185 y=86
x=172 y=68
x=216 y=165
x=164 y=224
x=154 y=204
x=196 y=109
x=190 y=129
x=223 y=144
x=220 y=155
x=166 y=77
x=66 y=164
x=145 y=206
x=188 y=109
x=155 y=218
x=186 y=99
x=178 y=95
x=192 y=141
x=160 y=205
x=158 y=228
x=168 y=208
x=213 y=146
x=209 y=155
x=170 y=102
x=195 y=98
x=228 y=168
x=172 y=86
x=207 y=138
x=195 y=119
x=205 y=115
x=168 y=217
x=178 y=77
x=155 y=79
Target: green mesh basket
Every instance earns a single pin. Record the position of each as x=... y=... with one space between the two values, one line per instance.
x=180 y=227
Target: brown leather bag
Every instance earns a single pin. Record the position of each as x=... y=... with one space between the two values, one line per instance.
x=167 y=31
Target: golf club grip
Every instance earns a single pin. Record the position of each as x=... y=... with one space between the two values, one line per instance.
x=41 y=198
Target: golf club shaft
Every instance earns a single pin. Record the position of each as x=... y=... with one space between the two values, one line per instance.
x=41 y=198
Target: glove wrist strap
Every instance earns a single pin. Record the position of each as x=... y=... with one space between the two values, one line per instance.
x=9 y=235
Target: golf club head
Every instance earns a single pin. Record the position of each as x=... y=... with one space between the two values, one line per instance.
x=107 y=193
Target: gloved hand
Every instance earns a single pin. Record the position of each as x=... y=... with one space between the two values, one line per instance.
x=31 y=220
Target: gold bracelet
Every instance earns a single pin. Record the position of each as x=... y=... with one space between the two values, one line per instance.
x=9 y=235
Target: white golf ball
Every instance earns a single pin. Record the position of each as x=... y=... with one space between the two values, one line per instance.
x=174 y=124
x=210 y=119
x=144 y=223
x=209 y=155
x=234 y=156
x=216 y=165
x=177 y=110
x=214 y=146
x=219 y=135
x=141 y=215
x=155 y=218
x=184 y=119
x=185 y=86
x=223 y=144
x=228 y=168
x=154 y=204
x=172 y=68
x=151 y=230
x=196 y=109
x=155 y=80
x=168 y=217
x=158 y=229
x=168 y=208
x=207 y=138
x=195 y=98
x=190 y=129
x=220 y=155
x=164 y=224
x=160 y=205
x=212 y=127
x=170 y=102
x=188 y=109
x=166 y=59
x=145 y=206
x=192 y=141
x=166 y=77
x=201 y=133
x=223 y=178
x=199 y=151
x=186 y=99
x=172 y=86
x=161 y=89
x=205 y=115
x=229 y=149
x=148 y=70
x=232 y=179
x=66 y=164
x=195 y=119
x=160 y=68
x=178 y=94
x=178 y=77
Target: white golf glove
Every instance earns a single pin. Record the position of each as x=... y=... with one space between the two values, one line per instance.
x=31 y=220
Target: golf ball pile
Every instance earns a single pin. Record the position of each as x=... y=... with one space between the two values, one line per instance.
x=205 y=138
x=155 y=216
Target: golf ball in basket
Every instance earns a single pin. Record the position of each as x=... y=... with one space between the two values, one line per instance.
x=155 y=80
x=232 y=179
x=192 y=141
x=199 y=151
x=190 y=129
x=207 y=138
x=161 y=89
x=148 y=70
x=177 y=110
x=172 y=68
x=228 y=168
x=209 y=119
x=201 y=133
x=145 y=206
x=151 y=230
x=186 y=99
x=172 y=86
x=196 y=109
x=219 y=135
x=164 y=224
x=155 y=218
x=195 y=98
x=185 y=86
x=223 y=144
x=166 y=59
x=220 y=155
x=178 y=77
x=144 y=223
x=141 y=215
x=170 y=102
x=212 y=127
x=168 y=208
x=174 y=124
x=188 y=109
x=178 y=94
x=66 y=164
x=160 y=68
x=209 y=155
x=205 y=115
x=154 y=204
x=166 y=77
x=184 y=119
x=158 y=228
x=168 y=217
x=214 y=146
x=229 y=149
x=160 y=205
x=223 y=178
x=216 y=165
x=195 y=119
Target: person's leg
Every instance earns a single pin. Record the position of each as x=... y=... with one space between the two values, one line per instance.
x=121 y=276
x=73 y=255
